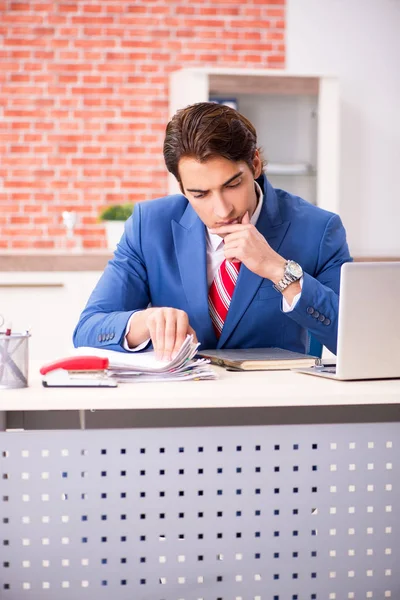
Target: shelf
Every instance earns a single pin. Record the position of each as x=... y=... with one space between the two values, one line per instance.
x=253 y=84
x=291 y=169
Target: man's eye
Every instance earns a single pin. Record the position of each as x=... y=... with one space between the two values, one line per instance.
x=199 y=195
x=233 y=185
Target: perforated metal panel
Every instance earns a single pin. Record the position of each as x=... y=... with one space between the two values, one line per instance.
x=234 y=513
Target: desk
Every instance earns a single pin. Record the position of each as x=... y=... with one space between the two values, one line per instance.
x=257 y=486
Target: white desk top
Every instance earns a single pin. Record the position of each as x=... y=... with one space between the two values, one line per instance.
x=230 y=390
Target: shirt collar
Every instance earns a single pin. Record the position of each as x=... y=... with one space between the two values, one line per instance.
x=214 y=241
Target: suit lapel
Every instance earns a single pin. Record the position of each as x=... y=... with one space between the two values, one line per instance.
x=271 y=226
x=190 y=246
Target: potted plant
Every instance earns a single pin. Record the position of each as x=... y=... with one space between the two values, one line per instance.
x=114 y=218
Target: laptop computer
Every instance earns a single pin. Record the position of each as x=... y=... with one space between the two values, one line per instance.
x=369 y=324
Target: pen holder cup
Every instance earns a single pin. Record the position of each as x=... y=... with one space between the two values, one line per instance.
x=14 y=360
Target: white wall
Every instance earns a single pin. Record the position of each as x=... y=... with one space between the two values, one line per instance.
x=359 y=41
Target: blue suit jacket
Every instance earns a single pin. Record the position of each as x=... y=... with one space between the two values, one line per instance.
x=161 y=259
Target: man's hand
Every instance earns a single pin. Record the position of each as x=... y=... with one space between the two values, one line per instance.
x=167 y=328
x=244 y=243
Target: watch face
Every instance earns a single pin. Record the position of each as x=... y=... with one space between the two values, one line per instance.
x=294 y=269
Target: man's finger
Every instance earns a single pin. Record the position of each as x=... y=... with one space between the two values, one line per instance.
x=159 y=336
x=152 y=333
x=237 y=235
x=233 y=254
x=169 y=335
x=246 y=218
x=228 y=228
x=181 y=328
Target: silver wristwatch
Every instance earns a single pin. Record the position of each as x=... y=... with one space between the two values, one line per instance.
x=293 y=272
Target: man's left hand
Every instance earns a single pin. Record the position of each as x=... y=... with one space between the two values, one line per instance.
x=244 y=243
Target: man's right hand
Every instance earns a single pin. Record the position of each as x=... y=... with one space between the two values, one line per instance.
x=166 y=327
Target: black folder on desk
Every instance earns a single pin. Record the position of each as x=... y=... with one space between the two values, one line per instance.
x=259 y=359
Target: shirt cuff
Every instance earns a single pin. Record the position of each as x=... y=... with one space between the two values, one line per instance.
x=125 y=342
x=286 y=307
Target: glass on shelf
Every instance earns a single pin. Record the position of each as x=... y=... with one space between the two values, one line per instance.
x=73 y=242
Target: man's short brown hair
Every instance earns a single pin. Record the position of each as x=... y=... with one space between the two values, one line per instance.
x=206 y=130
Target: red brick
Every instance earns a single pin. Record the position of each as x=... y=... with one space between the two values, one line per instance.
x=23 y=232
x=275 y=12
x=249 y=24
x=9 y=66
x=90 y=19
x=20 y=54
x=274 y=35
x=92 y=8
x=220 y=11
x=48 y=244
x=43 y=6
x=94 y=243
x=21 y=243
x=15 y=220
x=23 y=42
x=22 y=125
x=56 y=19
x=276 y=58
x=13 y=18
x=33 y=137
x=91 y=161
x=19 y=6
x=68 y=78
x=250 y=11
x=192 y=23
x=93 y=43
x=20 y=197
x=32 y=208
x=19 y=77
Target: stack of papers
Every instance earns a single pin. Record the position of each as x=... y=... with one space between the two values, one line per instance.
x=144 y=366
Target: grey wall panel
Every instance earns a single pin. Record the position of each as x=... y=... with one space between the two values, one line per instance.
x=292 y=512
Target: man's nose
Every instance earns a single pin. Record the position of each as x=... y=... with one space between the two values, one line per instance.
x=222 y=208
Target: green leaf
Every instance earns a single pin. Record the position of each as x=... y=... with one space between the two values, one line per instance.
x=116 y=212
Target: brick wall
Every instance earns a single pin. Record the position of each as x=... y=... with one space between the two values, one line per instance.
x=84 y=100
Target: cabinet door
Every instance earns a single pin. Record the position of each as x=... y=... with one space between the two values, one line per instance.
x=48 y=304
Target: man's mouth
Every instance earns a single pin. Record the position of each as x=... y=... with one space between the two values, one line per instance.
x=228 y=222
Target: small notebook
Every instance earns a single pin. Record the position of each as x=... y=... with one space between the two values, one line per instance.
x=259 y=359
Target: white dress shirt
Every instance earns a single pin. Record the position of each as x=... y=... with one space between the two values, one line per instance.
x=215 y=256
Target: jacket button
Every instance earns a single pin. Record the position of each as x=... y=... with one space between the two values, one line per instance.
x=321 y=318
x=107 y=337
x=112 y=336
x=310 y=310
x=316 y=314
x=327 y=321
x=99 y=337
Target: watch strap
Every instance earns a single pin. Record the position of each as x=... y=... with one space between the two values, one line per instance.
x=286 y=280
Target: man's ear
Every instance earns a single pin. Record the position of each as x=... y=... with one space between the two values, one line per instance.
x=257 y=164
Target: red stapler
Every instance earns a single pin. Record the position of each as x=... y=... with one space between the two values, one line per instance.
x=77 y=371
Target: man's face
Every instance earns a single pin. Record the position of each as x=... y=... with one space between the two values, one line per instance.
x=220 y=191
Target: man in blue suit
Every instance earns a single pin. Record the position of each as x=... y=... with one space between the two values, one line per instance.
x=156 y=287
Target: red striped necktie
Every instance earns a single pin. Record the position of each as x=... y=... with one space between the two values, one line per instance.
x=221 y=292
